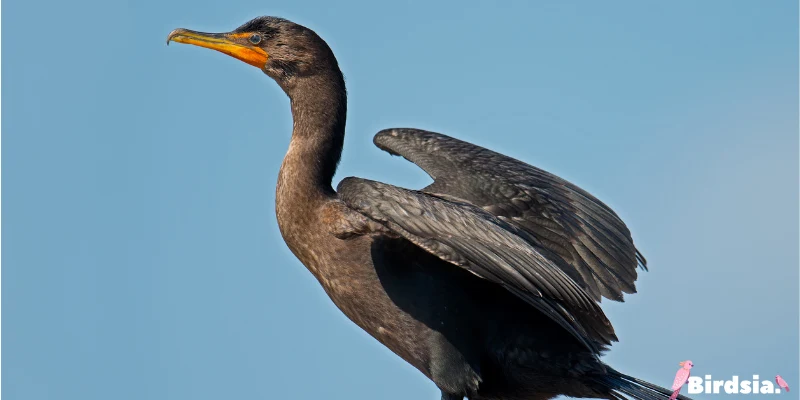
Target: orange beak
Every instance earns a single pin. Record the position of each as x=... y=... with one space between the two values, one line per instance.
x=232 y=44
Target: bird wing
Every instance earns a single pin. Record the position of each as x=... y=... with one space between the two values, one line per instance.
x=680 y=379
x=572 y=228
x=474 y=239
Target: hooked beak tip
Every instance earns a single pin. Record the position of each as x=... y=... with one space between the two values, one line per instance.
x=175 y=32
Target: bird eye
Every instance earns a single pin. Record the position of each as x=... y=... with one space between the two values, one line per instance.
x=255 y=39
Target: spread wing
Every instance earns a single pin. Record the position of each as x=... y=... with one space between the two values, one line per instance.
x=489 y=247
x=571 y=228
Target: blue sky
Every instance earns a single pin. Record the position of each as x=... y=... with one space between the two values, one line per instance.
x=141 y=257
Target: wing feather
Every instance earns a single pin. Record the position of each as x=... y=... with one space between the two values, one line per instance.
x=474 y=239
x=576 y=231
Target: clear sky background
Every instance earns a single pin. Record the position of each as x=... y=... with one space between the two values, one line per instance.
x=141 y=256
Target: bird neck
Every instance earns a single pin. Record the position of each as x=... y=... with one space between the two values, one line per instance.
x=319 y=108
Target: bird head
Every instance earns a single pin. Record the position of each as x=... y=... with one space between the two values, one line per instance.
x=686 y=364
x=282 y=49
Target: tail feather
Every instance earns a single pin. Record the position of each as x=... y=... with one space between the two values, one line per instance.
x=620 y=384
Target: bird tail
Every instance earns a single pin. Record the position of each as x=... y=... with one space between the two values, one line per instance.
x=623 y=386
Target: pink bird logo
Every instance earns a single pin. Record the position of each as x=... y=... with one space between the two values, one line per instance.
x=681 y=378
x=782 y=383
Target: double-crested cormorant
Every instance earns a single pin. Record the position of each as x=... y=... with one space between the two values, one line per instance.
x=487 y=281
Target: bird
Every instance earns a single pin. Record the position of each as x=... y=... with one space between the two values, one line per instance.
x=782 y=383
x=681 y=378
x=487 y=281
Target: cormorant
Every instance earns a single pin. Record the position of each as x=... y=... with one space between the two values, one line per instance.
x=487 y=281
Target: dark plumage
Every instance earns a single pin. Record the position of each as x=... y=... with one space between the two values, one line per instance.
x=487 y=281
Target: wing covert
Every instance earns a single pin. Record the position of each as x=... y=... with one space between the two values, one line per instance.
x=474 y=239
